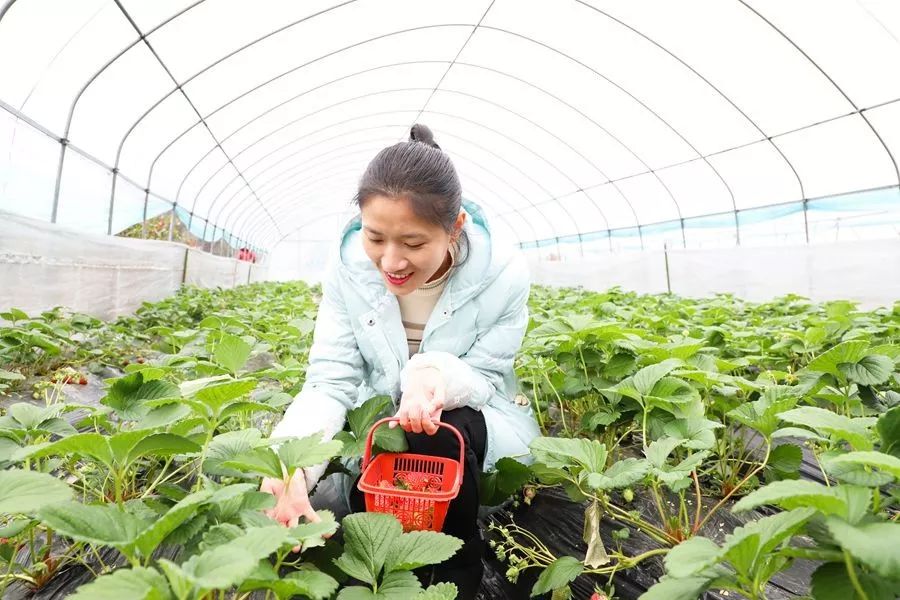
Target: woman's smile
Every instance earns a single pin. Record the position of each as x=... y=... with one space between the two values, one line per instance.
x=397 y=279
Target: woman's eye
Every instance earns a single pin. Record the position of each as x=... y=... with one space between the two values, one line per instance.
x=375 y=241
x=414 y=246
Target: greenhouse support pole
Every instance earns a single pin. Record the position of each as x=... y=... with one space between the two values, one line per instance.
x=683 y=236
x=112 y=201
x=737 y=228
x=144 y=220
x=666 y=259
x=63 y=143
x=184 y=266
x=806 y=218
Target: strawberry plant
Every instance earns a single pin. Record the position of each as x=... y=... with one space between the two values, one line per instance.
x=379 y=555
x=659 y=414
x=698 y=404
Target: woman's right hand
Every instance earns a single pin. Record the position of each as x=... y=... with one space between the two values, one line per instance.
x=422 y=402
x=291 y=501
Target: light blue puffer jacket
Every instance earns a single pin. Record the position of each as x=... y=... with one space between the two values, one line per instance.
x=472 y=336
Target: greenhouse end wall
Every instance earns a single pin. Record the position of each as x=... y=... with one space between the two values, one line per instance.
x=44 y=265
x=867 y=272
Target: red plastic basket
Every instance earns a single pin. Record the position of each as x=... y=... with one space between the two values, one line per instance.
x=415 y=509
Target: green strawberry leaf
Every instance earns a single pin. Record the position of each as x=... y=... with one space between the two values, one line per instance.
x=162 y=444
x=308 y=451
x=873 y=544
x=419 y=548
x=844 y=353
x=794 y=494
x=306 y=582
x=645 y=379
x=689 y=588
x=262 y=462
x=826 y=422
x=229 y=446
x=368 y=538
x=832 y=582
x=153 y=536
x=231 y=353
x=873 y=369
x=440 y=591
x=95 y=524
x=561 y=572
x=564 y=453
x=692 y=556
x=877 y=460
x=25 y=492
x=622 y=474
x=135 y=584
x=888 y=427
x=784 y=462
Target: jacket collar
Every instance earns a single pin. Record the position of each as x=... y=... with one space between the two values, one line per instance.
x=482 y=262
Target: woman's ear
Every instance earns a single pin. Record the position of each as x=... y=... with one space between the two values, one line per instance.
x=457 y=227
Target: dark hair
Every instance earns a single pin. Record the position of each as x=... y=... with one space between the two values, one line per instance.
x=417 y=170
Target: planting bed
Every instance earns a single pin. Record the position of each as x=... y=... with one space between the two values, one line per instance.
x=690 y=447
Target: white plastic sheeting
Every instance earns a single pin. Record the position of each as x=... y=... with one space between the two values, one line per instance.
x=867 y=272
x=564 y=117
x=306 y=260
x=44 y=265
x=642 y=272
x=205 y=270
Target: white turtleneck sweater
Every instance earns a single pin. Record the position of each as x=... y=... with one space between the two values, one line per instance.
x=416 y=307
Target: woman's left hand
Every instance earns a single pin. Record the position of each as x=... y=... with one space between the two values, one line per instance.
x=422 y=402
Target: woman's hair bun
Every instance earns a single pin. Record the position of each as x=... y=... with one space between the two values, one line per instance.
x=421 y=133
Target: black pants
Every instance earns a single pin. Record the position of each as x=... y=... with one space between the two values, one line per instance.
x=465 y=567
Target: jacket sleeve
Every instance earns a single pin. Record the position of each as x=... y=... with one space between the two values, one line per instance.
x=333 y=376
x=473 y=378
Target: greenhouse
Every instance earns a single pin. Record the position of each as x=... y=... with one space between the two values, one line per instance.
x=495 y=299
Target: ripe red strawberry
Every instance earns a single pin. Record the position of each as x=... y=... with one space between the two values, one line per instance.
x=83 y=381
x=413 y=481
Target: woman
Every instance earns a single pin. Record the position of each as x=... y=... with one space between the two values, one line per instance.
x=425 y=307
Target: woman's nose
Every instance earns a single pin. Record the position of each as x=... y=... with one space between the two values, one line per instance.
x=393 y=261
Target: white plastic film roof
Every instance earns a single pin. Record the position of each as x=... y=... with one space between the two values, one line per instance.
x=565 y=119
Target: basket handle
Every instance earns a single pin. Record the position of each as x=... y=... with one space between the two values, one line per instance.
x=462 y=445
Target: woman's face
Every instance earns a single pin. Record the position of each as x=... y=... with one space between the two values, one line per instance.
x=406 y=249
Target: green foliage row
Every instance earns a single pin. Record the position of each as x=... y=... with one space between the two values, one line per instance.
x=172 y=456
x=710 y=405
x=701 y=405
